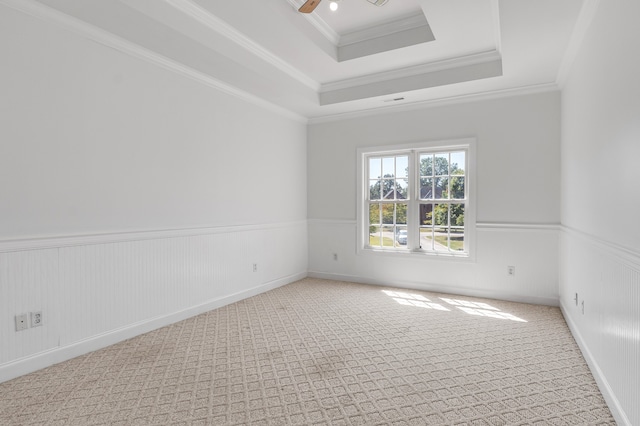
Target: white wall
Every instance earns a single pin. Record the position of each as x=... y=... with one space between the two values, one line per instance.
x=600 y=250
x=518 y=174
x=95 y=141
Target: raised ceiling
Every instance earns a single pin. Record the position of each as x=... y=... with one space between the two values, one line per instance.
x=330 y=64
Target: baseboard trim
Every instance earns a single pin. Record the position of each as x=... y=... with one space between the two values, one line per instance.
x=439 y=288
x=53 y=356
x=614 y=405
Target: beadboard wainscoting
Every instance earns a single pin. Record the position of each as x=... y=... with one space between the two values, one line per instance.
x=600 y=299
x=532 y=249
x=94 y=291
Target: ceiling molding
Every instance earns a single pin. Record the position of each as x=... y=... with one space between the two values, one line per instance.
x=495 y=11
x=100 y=36
x=400 y=73
x=212 y=22
x=432 y=103
x=417 y=82
x=586 y=16
x=399 y=37
x=383 y=29
x=318 y=23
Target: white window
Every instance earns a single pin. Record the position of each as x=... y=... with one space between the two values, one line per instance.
x=417 y=199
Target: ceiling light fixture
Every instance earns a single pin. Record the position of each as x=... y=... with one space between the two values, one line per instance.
x=333 y=5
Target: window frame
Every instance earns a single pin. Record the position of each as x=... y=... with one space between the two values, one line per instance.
x=413 y=150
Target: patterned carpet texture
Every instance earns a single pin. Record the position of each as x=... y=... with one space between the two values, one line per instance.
x=321 y=352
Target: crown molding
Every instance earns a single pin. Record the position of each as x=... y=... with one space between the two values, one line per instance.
x=212 y=22
x=318 y=23
x=400 y=73
x=98 y=35
x=383 y=29
x=586 y=16
x=433 y=103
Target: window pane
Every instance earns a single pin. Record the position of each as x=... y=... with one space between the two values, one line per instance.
x=401 y=214
x=387 y=237
x=374 y=236
x=388 y=167
x=457 y=214
x=401 y=236
x=375 y=168
x=426 y=214
x=457 y=187
x=388 y=211
x=441 y=188
x=441 y=215
x=402 y=189
x=457 y=163
x=388 y=189
x=426 y=238
x=374 y=189
x=441 y=164
x=457 y=239
x=374 y=214
x=426 y=188
x=402 y=167
x=426 y=165
x=441 y=239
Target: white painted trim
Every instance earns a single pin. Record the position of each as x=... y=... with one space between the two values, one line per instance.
x=39 y=243
x=626 y=254
x=586 y=16
x=318 y=23
x=203 y=16
x=495 y=11
x=439 y=288
x=345 y=222
x=384 y=29
x=492 y=226
x=48 y=14
x=400 y=73
x=603 y=384
x=434 y=103
x=481 y=226
x=36 y=362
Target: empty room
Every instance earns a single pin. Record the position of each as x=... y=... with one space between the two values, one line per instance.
x=305 y=212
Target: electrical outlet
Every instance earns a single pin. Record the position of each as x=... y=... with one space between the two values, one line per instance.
x=22 y=322
x=335 y=256
x=511 y=270
x=255 y=267
x=576 y=299
x=36 y=319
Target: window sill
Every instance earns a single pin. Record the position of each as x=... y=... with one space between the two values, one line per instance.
x=416 y=254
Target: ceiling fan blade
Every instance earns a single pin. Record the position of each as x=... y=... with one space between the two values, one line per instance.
x=309 y=6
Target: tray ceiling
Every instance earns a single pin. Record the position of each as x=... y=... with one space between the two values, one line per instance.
x=327 y=64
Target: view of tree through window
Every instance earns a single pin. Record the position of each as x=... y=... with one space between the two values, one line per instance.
x=388 y=190
x=442 y=180
x=436 y=192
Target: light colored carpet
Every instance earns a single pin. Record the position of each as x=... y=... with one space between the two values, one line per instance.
x=322 y=352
